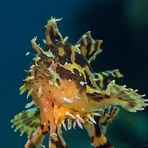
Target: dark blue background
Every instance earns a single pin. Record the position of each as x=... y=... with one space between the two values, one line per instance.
x=123 y=26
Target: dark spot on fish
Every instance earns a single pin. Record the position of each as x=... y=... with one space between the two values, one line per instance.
x=31 y=145
x=58 y=143
x=52 y=104
x=106 y=96
x=131 y=104
x=104 y=123
x=92 y=139
x=96 y=97
x=42 y=126
x=31 y=136
x=52 y=140
x=97 y=128
x=26 y=121
x=44 y=133
x=80 y=60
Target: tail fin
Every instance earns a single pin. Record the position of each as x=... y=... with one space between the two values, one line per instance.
x=127 y=97
x=26 y=121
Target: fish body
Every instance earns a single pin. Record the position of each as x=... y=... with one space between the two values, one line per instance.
x=64 y=87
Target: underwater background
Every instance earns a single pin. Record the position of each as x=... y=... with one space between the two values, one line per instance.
x=123 y=27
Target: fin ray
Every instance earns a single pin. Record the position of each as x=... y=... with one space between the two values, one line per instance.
x=52 y=33
x=26 y=121
x=106 y=76
x=127 y=98
x=109 y=113
x=98 y=139
x=89 y=47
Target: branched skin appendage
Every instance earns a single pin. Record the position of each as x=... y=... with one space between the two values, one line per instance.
x=67 y=93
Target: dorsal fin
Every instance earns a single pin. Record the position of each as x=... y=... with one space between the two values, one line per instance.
x=103 y=78
x=52 y=32
x=88 y=46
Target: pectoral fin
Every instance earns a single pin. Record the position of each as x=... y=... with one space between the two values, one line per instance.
x=26 y=121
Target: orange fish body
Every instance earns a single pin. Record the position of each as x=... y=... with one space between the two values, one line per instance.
x=64 y=87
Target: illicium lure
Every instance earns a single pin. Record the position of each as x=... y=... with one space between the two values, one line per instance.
x=67 y=93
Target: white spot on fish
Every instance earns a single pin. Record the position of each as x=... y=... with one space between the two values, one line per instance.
x=91 y=119
x=39 y=92
x=83 y=109
x=45 y=110
x=71 y=115
x=96 y=114
x=74 y=124
x=68 y=100
x=27 y=53
x=76 y=97
x=79 y=124
x=80 y=74
x=64 y=125
x=80 y=119
x=65 y=63
x=143 y=95
x=83 y=83
x=69 y=124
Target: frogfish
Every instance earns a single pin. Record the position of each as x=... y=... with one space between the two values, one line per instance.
x=66 y=93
